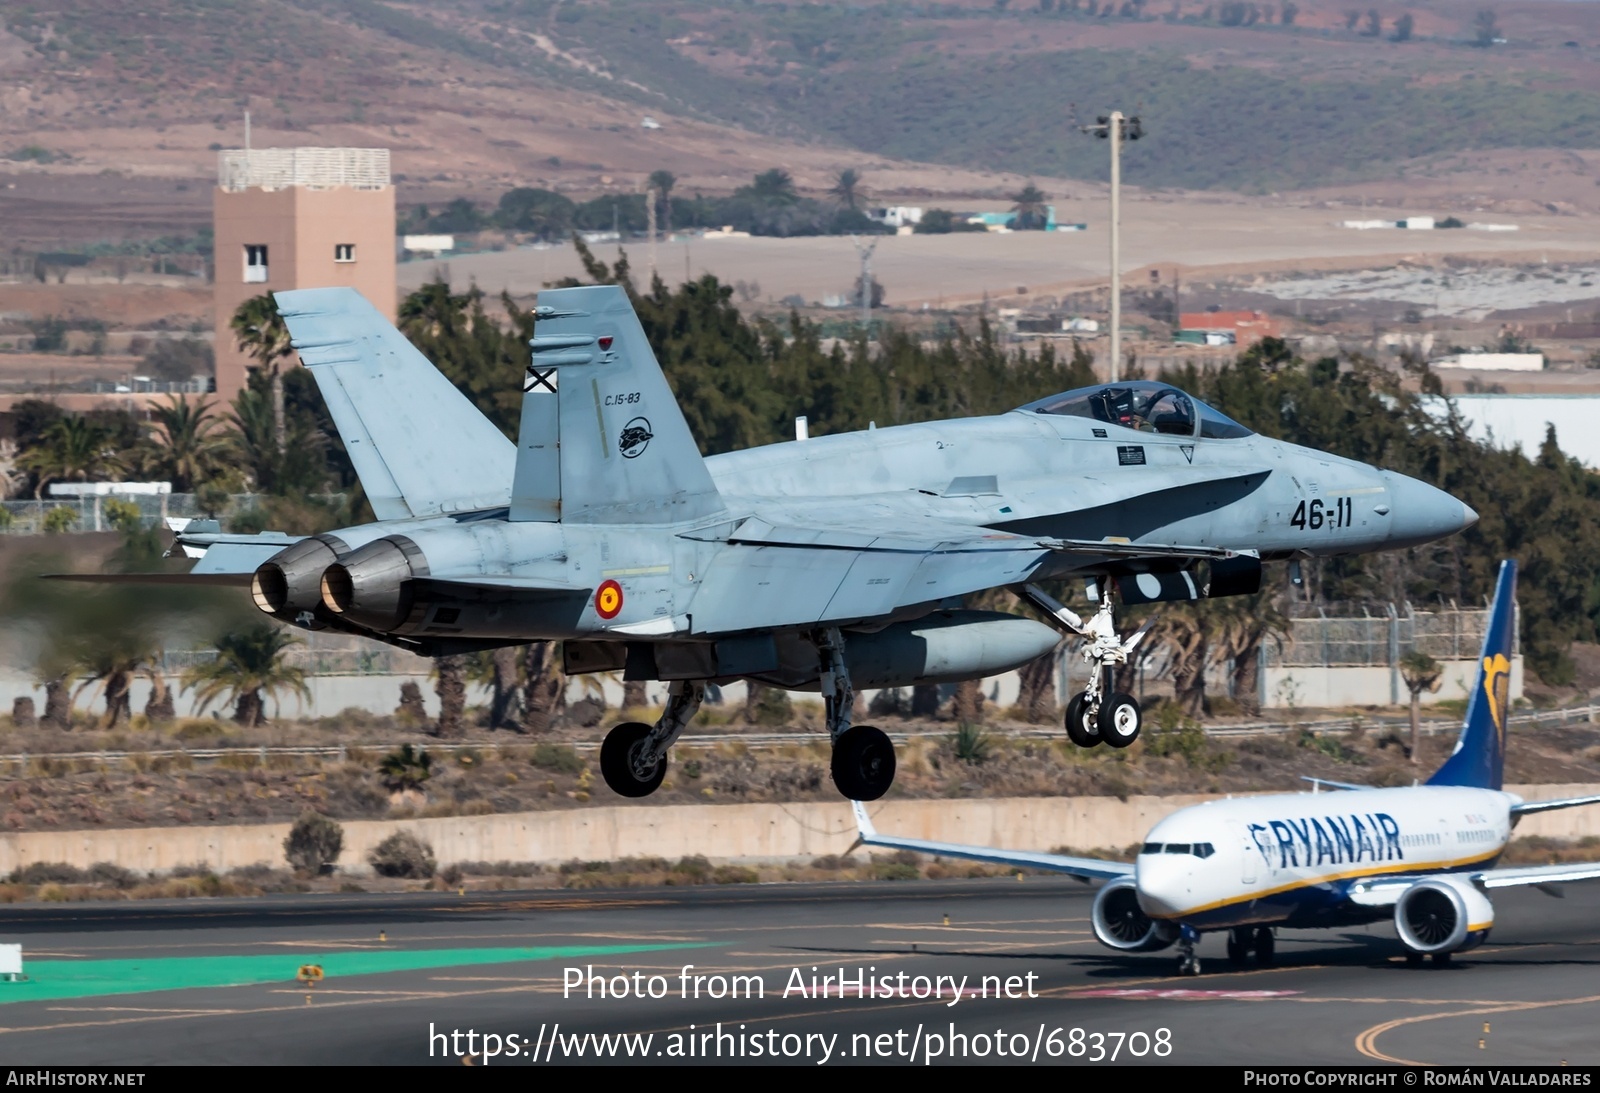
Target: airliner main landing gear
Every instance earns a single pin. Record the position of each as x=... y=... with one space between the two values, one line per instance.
x=1247 y=941
x=633 y=758
x=863 y=757
x=1097 y=714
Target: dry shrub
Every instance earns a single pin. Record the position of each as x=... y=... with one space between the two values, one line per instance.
x=402 y=855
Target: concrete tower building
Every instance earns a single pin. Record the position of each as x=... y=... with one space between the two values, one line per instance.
x=298 y=218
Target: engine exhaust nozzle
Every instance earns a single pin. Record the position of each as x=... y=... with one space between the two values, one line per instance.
x=289 y=584
x=372 y=586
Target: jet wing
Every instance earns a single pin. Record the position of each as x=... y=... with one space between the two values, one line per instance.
x=777 y=575
x=1383 y=891
x=774 y=576
x=1084 y=868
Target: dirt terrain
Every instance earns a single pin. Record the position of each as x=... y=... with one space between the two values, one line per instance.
x=504 y=772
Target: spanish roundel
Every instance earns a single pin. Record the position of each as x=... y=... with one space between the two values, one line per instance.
x=608 y=600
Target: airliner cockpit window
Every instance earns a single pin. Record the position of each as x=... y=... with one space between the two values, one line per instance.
x=1142 y=406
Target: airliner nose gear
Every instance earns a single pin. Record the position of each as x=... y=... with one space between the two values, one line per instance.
x=633 y=758
x=1097 y=714
x=863 y=757
x=1188 y=963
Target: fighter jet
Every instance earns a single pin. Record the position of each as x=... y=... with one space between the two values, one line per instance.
x=828 y=564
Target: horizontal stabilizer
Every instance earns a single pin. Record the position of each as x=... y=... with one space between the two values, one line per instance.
x=1528 y=808
x=232 y=580
x=419 y=446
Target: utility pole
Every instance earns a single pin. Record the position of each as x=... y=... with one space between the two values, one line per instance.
x=650 y=222
x=865 y=251
x=1116 y=128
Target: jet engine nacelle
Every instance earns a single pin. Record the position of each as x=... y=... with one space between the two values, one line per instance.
x=288 y=585
x=1120 y=924
x=1443 y=915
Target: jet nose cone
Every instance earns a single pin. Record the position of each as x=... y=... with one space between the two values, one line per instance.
x=1420 y=513
x=1163 y=891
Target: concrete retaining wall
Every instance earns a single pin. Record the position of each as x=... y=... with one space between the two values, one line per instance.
x=1374 y=685
x=721 y=832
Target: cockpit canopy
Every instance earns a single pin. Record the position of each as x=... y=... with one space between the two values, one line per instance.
x=1143 y=406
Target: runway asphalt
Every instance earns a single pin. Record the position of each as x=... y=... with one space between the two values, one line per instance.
x=213 y=981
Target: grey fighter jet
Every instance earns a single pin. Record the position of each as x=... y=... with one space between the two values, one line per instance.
x=828 y=564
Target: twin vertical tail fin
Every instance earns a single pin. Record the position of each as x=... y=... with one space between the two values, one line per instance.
x=1479 y=758
x=602 y=438
x=419 y=446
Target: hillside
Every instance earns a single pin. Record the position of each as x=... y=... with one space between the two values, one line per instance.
x=478 y=94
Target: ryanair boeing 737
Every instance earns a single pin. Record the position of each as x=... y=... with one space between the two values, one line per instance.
x=1423 y=855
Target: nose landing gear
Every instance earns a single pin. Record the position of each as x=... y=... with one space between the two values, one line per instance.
x=1098 y=714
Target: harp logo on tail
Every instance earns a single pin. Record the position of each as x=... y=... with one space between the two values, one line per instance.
x=1497 y=690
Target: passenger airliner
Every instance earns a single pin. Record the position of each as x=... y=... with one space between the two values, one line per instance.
x=1422 y=854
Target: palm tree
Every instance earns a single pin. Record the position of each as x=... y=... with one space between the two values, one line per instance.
x=72 y=448
x=846 y=189
x=1029 y=209
x=776 y=186
x=1421 y=673
x=183 y=441
x=662 y=182
x=249 y=667
x=405 y=769
x=451 y=686
x=544 y=692
x=261 y=332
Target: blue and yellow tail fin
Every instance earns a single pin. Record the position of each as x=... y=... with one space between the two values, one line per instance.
x=1479 y=758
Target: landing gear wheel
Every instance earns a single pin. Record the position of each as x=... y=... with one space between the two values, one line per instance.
x=1120 y=720
x=617 y=761
x=1441 y=960
x=1080 y=730
x=1188 y=964
x=1264 y=944
x=863 y=763
x=1238 y=950
x=1413 y=959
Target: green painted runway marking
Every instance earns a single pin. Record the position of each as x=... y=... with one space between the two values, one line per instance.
x=48 y=979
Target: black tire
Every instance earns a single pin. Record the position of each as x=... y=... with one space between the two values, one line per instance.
x=1265 y=946
x=1120 y=720
x=616 y=765
x=1238 y=951
x=1079 y=731
x=1413 y=959
x=1189 y=965
x=1440 y=960
x=863 y=763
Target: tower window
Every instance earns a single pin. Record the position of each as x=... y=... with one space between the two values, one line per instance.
x=255 y=263
x=344 y=252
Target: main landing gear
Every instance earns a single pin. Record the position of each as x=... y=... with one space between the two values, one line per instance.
x=1097 y=714
x=633 y=758
x=863 y=757
x=1247 y=941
